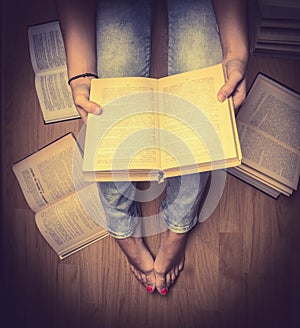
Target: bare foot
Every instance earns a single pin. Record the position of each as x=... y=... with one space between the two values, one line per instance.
x=140 y=261
x=169 y=260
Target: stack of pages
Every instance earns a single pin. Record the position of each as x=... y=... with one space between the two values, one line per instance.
x=275 y=27
x=269 y=129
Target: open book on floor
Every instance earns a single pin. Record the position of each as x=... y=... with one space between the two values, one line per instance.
x=151 y=129
x=65 y=205
x=48 y=60
x=269 y=129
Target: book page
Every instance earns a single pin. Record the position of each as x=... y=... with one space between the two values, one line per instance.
x=125 y=135
x=51 y=173
x=204 y=128
x=269 y=156
x=269 y=127
x=46 y=47
x=68 y=226
x=48 y=60
x=55 y=96
x=273 y=109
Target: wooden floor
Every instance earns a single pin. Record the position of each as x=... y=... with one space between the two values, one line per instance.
x=242 y=265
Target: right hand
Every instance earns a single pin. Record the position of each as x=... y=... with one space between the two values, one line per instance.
x=81 y=95
x=235 y=86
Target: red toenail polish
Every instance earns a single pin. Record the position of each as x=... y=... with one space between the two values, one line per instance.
x=164 y=291
x=149 y=289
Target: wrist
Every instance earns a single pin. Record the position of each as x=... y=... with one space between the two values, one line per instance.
x=241 y=54
x=82 y=76
x=242 y=62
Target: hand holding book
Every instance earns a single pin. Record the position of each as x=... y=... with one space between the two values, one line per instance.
x=235 y=85
x=81 y=94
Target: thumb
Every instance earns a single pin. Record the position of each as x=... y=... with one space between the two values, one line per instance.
x=229 y=87
x=87 y=105
x=93 y=108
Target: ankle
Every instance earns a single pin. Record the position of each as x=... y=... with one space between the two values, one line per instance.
x=171 y=236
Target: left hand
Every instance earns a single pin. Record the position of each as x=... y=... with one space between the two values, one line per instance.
x=235 y=86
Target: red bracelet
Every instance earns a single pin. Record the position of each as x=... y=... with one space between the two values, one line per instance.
x=82 y=75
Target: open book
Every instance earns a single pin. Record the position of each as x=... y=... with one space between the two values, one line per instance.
x=68 y=210
x=155 y=128
x=269 y=128
x=48 y=59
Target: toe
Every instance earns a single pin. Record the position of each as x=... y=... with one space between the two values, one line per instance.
x=137 y=275
x=143 y=277
x=181 y=265
x=160 y=283
x=169 y=279
x=173 y=278
x=150 y=281
x=164 y=291
x=150 y=289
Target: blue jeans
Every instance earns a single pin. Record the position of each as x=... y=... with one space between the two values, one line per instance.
x=124 y=46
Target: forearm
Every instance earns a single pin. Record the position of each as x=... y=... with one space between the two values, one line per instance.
x=78 y=23
x=232 y=21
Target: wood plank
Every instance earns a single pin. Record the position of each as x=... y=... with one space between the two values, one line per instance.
x=68 y=301
x=231 y=284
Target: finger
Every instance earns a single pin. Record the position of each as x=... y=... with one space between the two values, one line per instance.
x=83 y=114
x=86 y=105
x=228 y=88
x=239 y=95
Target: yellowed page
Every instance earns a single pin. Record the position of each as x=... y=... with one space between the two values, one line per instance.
x=70 y=223
x=50 y=69
x=269 y=155
x=125 y=135
x=269 y=129
x=47 y=175
x=198 y=127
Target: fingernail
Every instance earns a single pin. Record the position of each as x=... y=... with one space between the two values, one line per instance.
x=221 y=97
x=98 y=111
x=164 y=291
x=149 y=289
